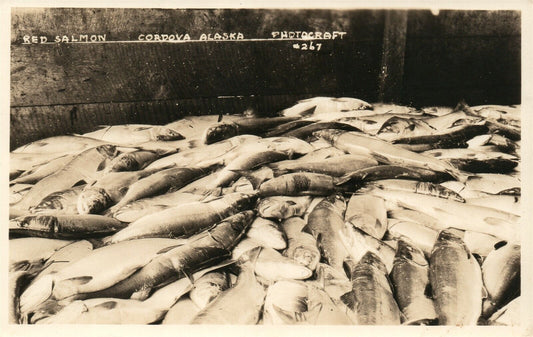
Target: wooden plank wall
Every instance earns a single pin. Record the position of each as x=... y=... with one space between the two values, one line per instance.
x=62 y=88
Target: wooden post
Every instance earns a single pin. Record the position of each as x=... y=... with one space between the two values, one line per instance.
x=393 y=55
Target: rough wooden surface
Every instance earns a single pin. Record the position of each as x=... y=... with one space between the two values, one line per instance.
x=392 y=59
x=66 y=88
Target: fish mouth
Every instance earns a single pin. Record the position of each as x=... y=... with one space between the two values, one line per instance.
x=108 y=150
x=126 y=163
x=220 y=132
x=93 y=201
x=169 y=135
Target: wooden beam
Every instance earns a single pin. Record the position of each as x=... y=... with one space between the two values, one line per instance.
x=393 y=56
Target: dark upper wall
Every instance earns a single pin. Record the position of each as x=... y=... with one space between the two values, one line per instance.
x=61 y=88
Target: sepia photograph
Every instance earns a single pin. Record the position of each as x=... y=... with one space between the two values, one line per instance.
x=320 y=167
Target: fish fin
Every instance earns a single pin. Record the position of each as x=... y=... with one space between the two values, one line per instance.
x=313 y=314
x=342 y=179
x=254 y=179
x=220 y=116
x=250 y=256
x=308 y=230
x=289 y=317
x=167 y=249
x=349 y=300
x=380 y=158
x=107 y=305
x=80 y=280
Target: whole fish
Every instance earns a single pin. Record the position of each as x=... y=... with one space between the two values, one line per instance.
x=152 y=184
x=267 y=233
x=357 y=243
x=501 y=276
x=286 y=303
x=506 y=203
x=87 y=274
x=420 y=187
x=322 y=105
x=60 y=144
x=186 y=219
x=325 y=222
x=387 y=153
x=206 y=250
x=304 y=132
x=272 y=266
x=39 y=172
x=302 y=247
x=64 y=226
x=182 y=312
x=450 y=138
x=452 y=119
x=132 y=134
x=240 y=304
x=60 y=202
x=108 y=190
x=313 y=156
x=456 y=282
x=302 y=183
x=368 y=213
x=193 y=126
x=246 y=161
x=194 y=156
x=251 y=126
x=493 y=183
x=21 y=162
x=410 y=280
x=283 y=207
x=500 y=113
x=286 y=127
x=417 y=217
x=335 y=166
x=84 y=166
x=371 y=297
x=145 y=206
x=65 y=255
x=477 y=161
x=132 y=161
x=125 y=311
x=382 y=172
x=208 y=287
x=420 y=236
x=462 y=215
x=31 y=253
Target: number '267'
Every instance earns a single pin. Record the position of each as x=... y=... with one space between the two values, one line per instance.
x=307 y=46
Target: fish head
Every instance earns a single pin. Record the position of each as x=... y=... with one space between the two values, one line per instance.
x=272 y=208
x=409 y=252
x=306 y=256
x=168 y=134
x=107 y=150
x=448 y=236
x=93 y=201
x=331 y=135
x=126 y=162
x=41 y=223
x=46 y=309
x=373 y=260
x=221 y=131
x=48 y=203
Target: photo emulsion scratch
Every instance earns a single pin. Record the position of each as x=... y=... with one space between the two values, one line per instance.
x=265 y=167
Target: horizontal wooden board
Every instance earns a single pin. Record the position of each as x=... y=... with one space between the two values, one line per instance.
x=74 y=73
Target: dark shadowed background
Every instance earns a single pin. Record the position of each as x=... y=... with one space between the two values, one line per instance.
x=407 y=57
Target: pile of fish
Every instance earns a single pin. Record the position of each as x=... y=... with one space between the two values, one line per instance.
x=334 y=212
